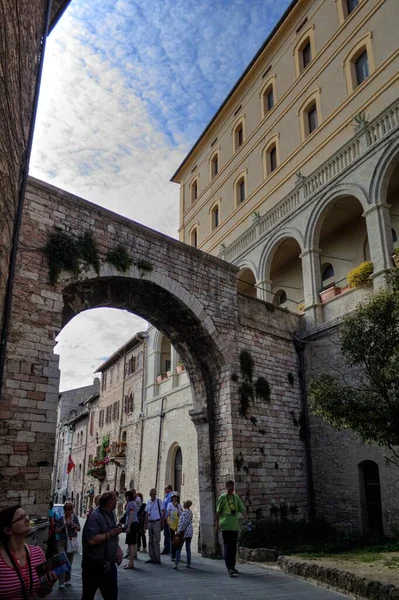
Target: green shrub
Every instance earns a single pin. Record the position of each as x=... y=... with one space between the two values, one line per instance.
x=299 y=537
x=360 y=275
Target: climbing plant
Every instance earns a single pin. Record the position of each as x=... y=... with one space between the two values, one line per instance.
x=119 y=258
x=69 y=252
x=73 y=253
x=250 y=390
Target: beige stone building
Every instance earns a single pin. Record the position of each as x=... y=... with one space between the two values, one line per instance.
x=295 y=180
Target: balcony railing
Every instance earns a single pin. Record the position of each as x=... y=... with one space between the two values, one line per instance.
x=372 y=133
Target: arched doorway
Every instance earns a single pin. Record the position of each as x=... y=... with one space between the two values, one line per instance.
x=178 y=470
x=284 y=271
x=370 y=497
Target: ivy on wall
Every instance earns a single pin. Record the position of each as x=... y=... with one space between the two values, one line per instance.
x=74 y=253
x=250 y=390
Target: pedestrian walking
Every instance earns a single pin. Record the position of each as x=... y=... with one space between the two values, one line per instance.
x=51 y=545
x=141 y=516
x=173 y=514
x=185 y=532
x=101 y=551
x=166 y=531
x=66 y=533
x=132 y=527
x=229 y=506
x=154 y=521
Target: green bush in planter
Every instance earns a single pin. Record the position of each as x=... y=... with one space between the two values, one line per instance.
x=360 y=275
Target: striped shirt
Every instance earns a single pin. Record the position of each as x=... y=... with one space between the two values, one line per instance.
x=10 y=585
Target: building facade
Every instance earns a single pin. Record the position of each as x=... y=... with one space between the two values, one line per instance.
x=296 y=181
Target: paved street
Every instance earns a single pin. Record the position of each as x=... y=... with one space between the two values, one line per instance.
x=207 y=579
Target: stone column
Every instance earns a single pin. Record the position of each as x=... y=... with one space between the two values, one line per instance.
x=264 y=290
x=311 y=273
x=205 y=482
x=379 y=233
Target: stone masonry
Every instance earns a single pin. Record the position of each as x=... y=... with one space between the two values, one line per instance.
x=191 y=298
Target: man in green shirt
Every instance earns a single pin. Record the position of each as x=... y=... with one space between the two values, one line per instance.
x=228 y=508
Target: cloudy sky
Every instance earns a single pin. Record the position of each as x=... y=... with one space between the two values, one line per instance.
x=128 y=86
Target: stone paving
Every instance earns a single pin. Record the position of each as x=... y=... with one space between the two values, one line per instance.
x=207 y=579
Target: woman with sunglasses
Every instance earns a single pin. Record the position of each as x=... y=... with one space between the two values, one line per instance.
x=18 y=561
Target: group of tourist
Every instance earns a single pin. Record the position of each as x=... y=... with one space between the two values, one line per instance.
x=101 y=552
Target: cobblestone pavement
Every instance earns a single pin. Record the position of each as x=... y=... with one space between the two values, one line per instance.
x=207 y=579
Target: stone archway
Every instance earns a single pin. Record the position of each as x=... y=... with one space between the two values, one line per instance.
x=190 y=297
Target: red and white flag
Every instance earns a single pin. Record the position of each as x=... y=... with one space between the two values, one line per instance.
x=71 y=464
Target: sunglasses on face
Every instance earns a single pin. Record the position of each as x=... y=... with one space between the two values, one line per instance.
x=24 y=517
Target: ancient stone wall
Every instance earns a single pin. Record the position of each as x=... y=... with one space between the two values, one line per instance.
x=336 y=455
x=269 y=451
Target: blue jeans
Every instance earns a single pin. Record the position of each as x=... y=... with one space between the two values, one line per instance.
x=188 y=551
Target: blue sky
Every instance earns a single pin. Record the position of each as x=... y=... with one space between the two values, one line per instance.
x=128 y=86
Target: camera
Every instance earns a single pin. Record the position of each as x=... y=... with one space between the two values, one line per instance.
x=233 y=511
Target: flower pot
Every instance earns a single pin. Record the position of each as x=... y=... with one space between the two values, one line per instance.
x=180 y=368
x=160 y=378
x=345 y=289
x=329 y=293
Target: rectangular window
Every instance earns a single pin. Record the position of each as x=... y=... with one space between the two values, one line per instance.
x=312 y=118
x=167 y=365
x=242 y=191
x=270 y=99
x=117 y=371
x=306 y=55
x=101 y=418
x=92 y=423
x=115 y=411
x=104 y=382
x=273 y=159
x=362 y=68
x=111 y=375
x=351 y=5
x=131 y=366
x=98 y=451
x=108 y=414
x=90 y=460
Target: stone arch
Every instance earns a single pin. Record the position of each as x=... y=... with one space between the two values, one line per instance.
x=323 y=207
x=192 y=332
x=170 y=463
x=382 y=174
x=246 y=282
x=272 y=245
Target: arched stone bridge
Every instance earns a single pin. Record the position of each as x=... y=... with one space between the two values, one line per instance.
x=191 y=298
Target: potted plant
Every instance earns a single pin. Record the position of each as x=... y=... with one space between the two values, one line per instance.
x=360 y=275
x=161 y=377
x=329 y=293
x=179 y=367
x=395 y=257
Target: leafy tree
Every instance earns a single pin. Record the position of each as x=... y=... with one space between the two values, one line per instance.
x=366 y=398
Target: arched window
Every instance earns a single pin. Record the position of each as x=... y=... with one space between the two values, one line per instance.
x=280 y=298
x=215 y=217
x=194 y=237
x=268 y=96
x=194 y=190
x=394 y=236
x=240 y=192
x=178 y=469
x=351 y=5
x=238 y=134
x=214 y=164
x=346 y=7
x=271 y=156
x=122 y=482
x=304 y=50
x=327 y=271
x=309 y=114
x=359 y=63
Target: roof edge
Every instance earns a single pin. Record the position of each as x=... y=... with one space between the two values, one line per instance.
x=237 y=84
x=129 y=345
